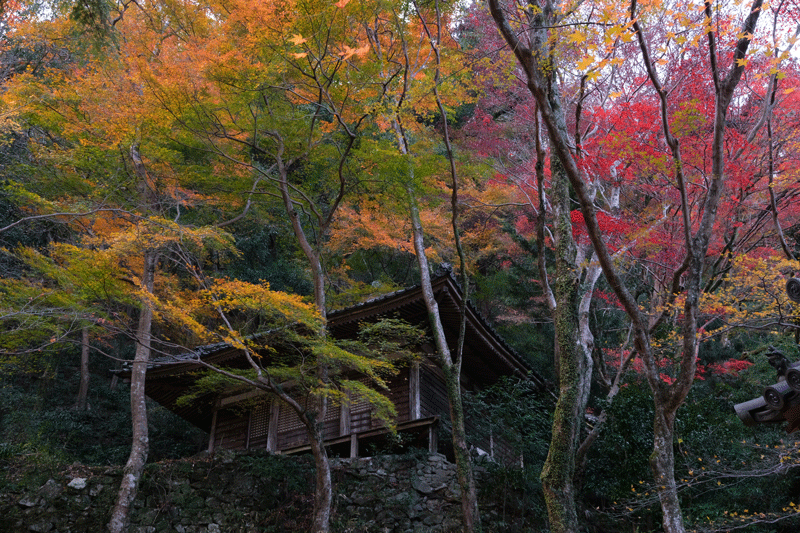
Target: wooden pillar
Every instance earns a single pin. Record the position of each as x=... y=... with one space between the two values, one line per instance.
x=211 y=434
x=354 y=445
x=433 y=438
x=249 y=429
x=272 y=430
x=414 y=404
x=344 y=419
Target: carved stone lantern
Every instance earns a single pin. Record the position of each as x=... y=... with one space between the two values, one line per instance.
x=781 y=400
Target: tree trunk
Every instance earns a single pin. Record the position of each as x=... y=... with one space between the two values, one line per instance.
x=120 y=515
x=574 y=368
x=82 y=403
x=662 y=463
x=323 y=489
x=667 y=399
x=466 y=478
x=312 y=255
x=452 y=372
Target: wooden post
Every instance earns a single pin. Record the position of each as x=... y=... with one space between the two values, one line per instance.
x=354 y=445
x=211 y=434
x=344 y=419
x=272 y=431
x=249 y=429
x=414 y=404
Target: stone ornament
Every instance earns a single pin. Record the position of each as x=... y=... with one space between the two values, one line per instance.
x=793 y=289
x=781 y=400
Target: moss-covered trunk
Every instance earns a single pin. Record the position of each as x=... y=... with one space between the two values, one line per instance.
x=574 y=370
x=452 y=372
x=466 y=478
x=662 y=463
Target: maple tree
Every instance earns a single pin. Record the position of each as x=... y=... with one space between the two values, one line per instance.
x=696 y=228
x=285 y=355
x=311 y=88
x=531 y=182
x=287 y=124
x=282 y=118
x=419 y=61
x=79 y=104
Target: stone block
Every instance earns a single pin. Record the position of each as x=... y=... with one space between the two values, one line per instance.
x=51 y=489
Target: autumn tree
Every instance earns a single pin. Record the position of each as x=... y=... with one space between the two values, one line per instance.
x=276 y=95
x=536 y=182
x=99 y=145
x=697 y=220
x=284 y=357
x=298 y=113
x=419 y=67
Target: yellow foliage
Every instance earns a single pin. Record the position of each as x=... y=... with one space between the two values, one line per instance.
x=753 y=293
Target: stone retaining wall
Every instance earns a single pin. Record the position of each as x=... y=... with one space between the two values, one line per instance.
x=252 y=492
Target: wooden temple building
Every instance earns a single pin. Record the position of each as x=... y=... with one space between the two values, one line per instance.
x=250 y=420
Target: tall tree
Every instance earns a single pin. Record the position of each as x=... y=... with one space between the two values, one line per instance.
x=569 y=286
x=99 y=144
x=667 y=397
x=278 y=92
x=432 y=24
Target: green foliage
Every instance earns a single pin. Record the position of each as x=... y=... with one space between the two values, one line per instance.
x=390 y=337
x=512 y=298
x=357 y=292
x=94 y=14
x=264 y=254
x=623 y=447
x=387 y=267
x=292 y=355
x=517 y=415
x=38 y=422
x=15 y=203
x=722 y=467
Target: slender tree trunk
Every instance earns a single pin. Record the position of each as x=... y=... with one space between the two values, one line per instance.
x=466 y=478
x=314 y=262
x=140 y=446
x=323 y=495
x=323 y=489
x=83 y=389
x=452 y=366
x=452 y=372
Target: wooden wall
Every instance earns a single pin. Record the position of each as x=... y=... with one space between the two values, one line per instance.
x=433 y=394
x=230 y=432
x=238 y=428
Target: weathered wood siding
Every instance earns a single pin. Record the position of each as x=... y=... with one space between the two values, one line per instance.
x=330 y=428
x=237 y=428
x=259 y=426
x=434 y=402
x=291 y=431
x=398 y=393
x=231 y=430
x=360 y=416
x=433 y=394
